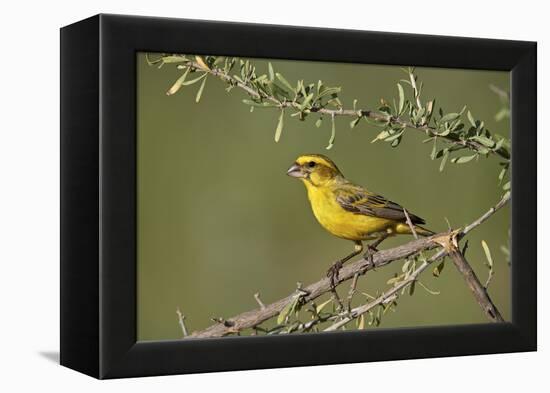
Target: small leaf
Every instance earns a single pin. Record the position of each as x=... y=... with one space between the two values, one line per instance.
x=483 y=140
x=193 y=81
x=502 y=173
x=279 y=129
x=394 y=136
x=433 y=154
x=201 y=63
x=361 y=322
x=502 y=114
x=506 y=186
x=284 y=81
x=487 y=254
x=306 y=101
x=332 y=135
x=396 y=142
x=201 y=89
x=271 y=73
x=471 y=119
x=444 y=160
x=178 y=84
x=401 y=98
x=382 y=135
x=438 y=269
x=173 y=59
x=463 y=159
x=431 y=292
x=286 y=311
x=449 y=117
x=412 y=288
x=320 y=307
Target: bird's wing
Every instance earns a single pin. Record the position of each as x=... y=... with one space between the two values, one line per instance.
x=360 y=201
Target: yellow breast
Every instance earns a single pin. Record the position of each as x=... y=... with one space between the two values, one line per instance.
x=341 y=222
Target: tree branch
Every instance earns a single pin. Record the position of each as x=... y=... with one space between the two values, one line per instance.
x=381 y=258
x=387 y=296
x=367 y=113
x=478 y=290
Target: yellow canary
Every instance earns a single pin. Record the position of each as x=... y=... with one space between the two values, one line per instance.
x=349 y=211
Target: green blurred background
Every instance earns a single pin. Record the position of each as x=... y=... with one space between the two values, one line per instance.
x=218 y=219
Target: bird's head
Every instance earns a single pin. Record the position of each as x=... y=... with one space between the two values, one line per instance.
x=315 y=169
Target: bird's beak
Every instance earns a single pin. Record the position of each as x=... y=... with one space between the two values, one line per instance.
x=295 y=171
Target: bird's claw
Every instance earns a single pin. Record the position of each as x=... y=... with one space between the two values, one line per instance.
x=333 y=271
x=369 y=255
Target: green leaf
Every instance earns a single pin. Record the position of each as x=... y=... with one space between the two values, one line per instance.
x=502 y=114
x=483 y=140
x=444 y=160
x=412 y=288
x=463 y=159
x=487 y=254
x=271 y=72
x=394 y=136
x=279 y=129
x=306 y=101
x=361 y=325
x=449 y=117
x=382 y=135
x=173 y=59
x=498 y=145
x=438 y=269
x=201 y=89
x=284 y=82
x=401 y=98
x=287 y=310
x=320 y=307
x=329 y=90
x=471 y=119
x=177 y=85
x=193 y=81
x=506 y=186
x=433 y=154
x=332 y=135
x=502 y=173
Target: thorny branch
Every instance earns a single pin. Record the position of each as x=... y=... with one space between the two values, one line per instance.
x=366 y=113
x=447 y=241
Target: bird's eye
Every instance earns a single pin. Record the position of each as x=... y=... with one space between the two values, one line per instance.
x=311 y=164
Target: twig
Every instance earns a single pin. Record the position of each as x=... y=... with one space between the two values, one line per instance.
x=486 y=216
x=258 y=300
x=390 y=294
x=478 y=290
x=352 y=289
x=381 y=258
x=410 y=223
x=367 y=113
x=181 y=321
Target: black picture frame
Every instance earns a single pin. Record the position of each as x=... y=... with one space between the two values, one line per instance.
x=98 y=195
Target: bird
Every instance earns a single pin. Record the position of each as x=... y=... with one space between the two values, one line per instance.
x=349 y=211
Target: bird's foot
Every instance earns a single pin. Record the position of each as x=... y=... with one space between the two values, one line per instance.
x=369 y=255
x=333 y=271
